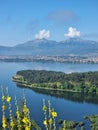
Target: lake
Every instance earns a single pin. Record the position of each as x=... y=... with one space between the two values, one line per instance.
x=66 y=107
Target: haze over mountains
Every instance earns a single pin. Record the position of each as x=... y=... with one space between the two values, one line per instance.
x=44 y=47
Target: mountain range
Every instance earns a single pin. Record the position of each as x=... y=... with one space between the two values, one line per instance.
x=44 y=47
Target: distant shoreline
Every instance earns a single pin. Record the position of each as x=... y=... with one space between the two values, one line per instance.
x=60 y=59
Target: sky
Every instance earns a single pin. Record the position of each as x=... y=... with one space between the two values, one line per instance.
x=24 y=20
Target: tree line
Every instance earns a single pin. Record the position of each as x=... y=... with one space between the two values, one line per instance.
x=80 y=82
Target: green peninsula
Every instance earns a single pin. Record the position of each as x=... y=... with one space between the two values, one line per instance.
x=86 y=82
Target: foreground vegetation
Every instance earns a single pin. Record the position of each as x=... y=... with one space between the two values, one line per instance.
x=21 y=119
x=75 y=82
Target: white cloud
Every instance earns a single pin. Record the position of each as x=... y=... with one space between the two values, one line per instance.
x=42 y=34
x=72 y=32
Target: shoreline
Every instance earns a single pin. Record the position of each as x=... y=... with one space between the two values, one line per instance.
x=30 y=86
x=59 y=59
x=62 y=93
x=58 y=81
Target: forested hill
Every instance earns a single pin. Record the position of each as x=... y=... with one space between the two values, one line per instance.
x=42 y=76
x=82 y=82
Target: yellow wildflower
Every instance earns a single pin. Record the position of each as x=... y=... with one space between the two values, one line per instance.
x=3 y=107
x=25 y=120
x=45 y=122
x=50 y=121
x=4 y=122
x=3 y=97
x=8 y=99
x=27 y=128
x=4 y=119
x=25 y=109
x=44 y=108
x=54 y=114
x=18 y=114
x=4 y=125
x=12 y=124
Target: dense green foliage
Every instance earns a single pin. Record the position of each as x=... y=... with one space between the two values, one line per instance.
x=78 y=82
x=41 y=76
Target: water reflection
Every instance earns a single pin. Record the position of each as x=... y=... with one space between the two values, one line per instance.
x=73 y=96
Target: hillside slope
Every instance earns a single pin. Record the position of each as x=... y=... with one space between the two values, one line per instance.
x=43 y=47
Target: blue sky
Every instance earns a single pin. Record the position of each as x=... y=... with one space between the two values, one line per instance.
x=23 y=20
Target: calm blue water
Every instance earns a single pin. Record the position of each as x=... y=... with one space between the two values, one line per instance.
x=65 y=108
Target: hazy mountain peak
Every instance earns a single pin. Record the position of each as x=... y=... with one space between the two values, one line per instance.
x=75 y=46
x=73 y=40
x=41 y=40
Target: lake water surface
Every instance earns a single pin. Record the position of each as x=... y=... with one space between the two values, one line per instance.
x=66 y=108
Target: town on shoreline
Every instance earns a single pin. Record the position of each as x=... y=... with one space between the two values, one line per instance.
x=65 y=59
